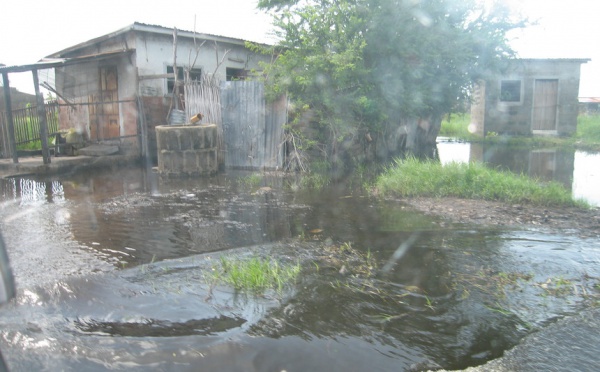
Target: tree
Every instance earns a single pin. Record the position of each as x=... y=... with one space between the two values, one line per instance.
x=389 y=69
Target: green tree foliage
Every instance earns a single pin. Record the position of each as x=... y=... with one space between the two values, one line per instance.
x=370 y=64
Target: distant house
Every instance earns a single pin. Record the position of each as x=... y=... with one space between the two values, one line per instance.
x=529 y=97
x=19 y=99
x=133 y=71
x=589 y=105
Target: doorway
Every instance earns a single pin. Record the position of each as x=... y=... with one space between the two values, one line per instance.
x=104 y=108
x=545 y=105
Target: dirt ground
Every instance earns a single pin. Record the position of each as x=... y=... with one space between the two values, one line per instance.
x=584 y=223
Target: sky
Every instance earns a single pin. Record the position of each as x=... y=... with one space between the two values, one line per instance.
x=33 y=29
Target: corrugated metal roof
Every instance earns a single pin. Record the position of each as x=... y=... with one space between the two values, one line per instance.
x=155 y=29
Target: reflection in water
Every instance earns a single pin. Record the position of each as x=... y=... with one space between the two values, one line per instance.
x=575 y=170
x=28 y=191
x=586 y=177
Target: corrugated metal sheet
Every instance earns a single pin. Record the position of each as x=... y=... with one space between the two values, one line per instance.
x=252 y=129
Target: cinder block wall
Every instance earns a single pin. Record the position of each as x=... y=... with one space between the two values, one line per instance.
x=187 y=150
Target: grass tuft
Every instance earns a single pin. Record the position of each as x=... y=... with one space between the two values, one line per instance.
x=255 y=274
x=411 y=177
x=252 y=180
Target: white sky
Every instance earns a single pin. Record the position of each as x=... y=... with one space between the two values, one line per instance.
x=32 y=29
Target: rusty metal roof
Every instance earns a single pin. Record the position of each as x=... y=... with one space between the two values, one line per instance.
x=589 y=99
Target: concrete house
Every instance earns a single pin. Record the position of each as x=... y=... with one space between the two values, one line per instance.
x=132 y=72
x=529 y=97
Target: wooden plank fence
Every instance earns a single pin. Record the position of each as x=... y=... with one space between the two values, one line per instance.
x=27 y=126
x=250 y=129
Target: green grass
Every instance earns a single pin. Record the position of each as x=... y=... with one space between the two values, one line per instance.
x=252 y=180
x=255 y=274
x=588 y=131
x=456 y=125
x=411 y=177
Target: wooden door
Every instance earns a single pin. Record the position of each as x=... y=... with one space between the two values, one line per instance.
x=545 y=104
x=104 y=110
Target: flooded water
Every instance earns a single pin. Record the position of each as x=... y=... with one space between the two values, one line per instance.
x=112 y=268
x=578 y=171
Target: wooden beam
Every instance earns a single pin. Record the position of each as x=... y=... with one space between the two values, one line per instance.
x=156 y=76
x=41 y=110
x=9 y=118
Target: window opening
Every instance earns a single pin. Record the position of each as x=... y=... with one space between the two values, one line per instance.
x=195 y=74
x=236 y=74
x=510 y=91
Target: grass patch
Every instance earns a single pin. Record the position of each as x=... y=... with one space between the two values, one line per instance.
x=254 y=274
x=411 y=177
x=252 y=180
x=588 y=132
x=456 y=125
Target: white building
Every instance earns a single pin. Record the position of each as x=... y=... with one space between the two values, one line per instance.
x=108 y=81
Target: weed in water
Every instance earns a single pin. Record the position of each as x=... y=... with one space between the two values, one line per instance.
x=253 y=180
x=429 y=304
x=255 y=274
x=314 y=180
x=499 y=309
x=558 y=286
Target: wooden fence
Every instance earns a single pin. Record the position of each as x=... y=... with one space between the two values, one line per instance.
x=27 y=126
x=251 y=128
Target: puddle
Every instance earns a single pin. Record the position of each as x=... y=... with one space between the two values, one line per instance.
x=112 y=273
x=576 y=170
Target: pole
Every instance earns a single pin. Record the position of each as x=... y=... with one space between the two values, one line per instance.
x=41 y=110
x=9 y=118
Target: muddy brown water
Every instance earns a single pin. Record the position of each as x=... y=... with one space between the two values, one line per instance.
x=111 y=270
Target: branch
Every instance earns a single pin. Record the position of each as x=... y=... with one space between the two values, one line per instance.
x=219 y=63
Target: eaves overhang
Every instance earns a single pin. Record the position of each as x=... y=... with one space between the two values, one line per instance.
x=47 y=63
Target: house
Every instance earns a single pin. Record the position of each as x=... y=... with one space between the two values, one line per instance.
x=589 y=105
x=529 y=97
x=123 y=86
x=19 y=99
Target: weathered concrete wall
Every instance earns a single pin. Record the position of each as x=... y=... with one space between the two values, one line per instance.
x=187 y=150
x=491 y=114
x=154 y=53
x=80 y=82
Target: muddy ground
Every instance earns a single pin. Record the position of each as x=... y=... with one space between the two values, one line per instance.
x=584 y=223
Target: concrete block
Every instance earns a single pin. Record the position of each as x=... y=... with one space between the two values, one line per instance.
x=187 y=150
